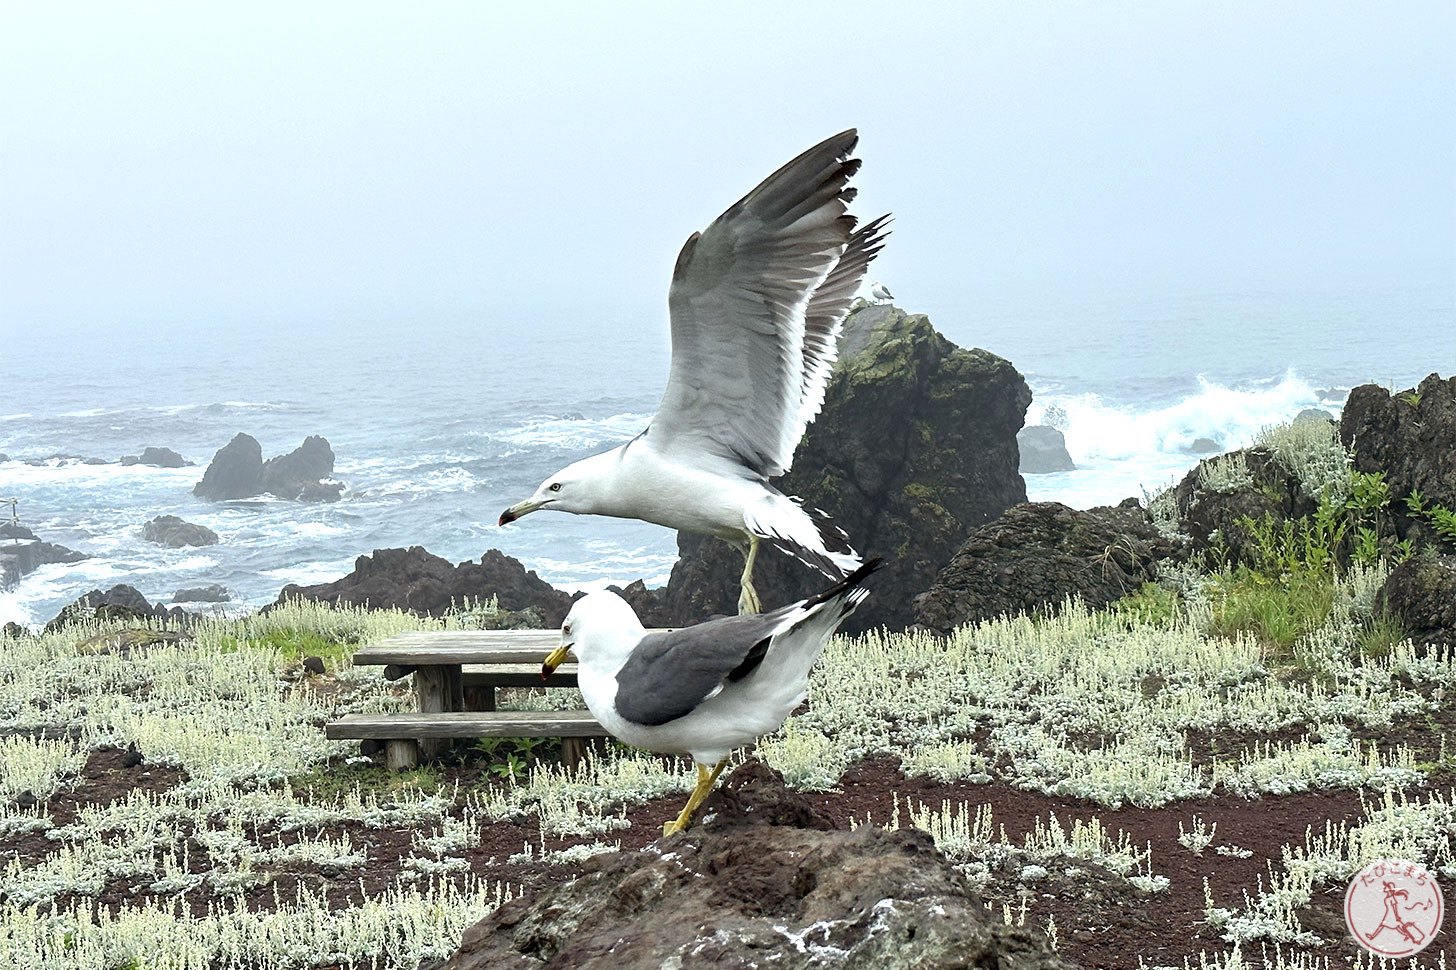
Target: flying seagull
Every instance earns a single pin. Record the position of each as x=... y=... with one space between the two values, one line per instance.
x=703 y=690
x=757 y=303
x=881 y=292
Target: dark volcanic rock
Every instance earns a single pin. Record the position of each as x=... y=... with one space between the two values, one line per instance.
x=160 y=457
x=168 y=530
x=761 y=882
x=1421 y=594
x=118 y=602
x=1043 y=451
x=21 y=551
x=915 y=446
x=304 y=473
x=1272 y=490
x=212 y=593
x=236 y=471
x=416 y=580
x=239 y=471
x=1038 y=554
x=1410 y=437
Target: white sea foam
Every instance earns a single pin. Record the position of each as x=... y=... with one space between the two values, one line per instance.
x=1120 y=451
x=575 y=432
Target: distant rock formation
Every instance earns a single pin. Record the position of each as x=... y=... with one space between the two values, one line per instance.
x=168 y=530
x=915 y=446
x=421 y=582
x=1043 y=451
x=21 y=551
x=212 y=593
x=239 y=471
x=1038 y=554
x=160 y=457
x=764 y=874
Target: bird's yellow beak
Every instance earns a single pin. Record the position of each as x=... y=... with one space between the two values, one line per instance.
x=519 y=509
x=554 y=659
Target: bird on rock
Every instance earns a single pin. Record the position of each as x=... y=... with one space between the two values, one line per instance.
x=702 y=690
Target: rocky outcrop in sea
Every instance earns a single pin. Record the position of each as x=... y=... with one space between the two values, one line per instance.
x=22 y=551
x=170 y=531
x=421 y=582
x=238 y=471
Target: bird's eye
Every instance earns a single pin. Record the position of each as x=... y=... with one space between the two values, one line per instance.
x=555 y=486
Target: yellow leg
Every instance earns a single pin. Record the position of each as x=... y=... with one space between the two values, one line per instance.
x=706 y=779
x=747 y=596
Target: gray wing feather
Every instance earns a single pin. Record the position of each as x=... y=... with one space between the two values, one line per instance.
x=824 y=318
x=740 y=293
x=669 y=674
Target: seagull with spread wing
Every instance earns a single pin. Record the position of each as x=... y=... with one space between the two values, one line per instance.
x=703 y=690
x=757 y=303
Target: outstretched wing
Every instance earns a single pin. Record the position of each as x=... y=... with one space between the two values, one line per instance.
x=740 y=298
x=824 y=318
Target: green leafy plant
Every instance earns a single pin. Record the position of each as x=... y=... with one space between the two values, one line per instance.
x=1415 y=502
x=1413 y=398
x=1444 y=521
x=1367 y=546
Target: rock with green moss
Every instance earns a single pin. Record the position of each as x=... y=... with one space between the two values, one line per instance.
x=916 y=445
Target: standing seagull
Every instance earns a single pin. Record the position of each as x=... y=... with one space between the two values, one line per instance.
x=702 y=690
x=757 y=302
x=880 y=292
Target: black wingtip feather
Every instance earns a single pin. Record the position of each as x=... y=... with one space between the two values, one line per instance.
x=850 y=583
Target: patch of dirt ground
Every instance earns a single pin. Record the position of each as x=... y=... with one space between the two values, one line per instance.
x=1101 y=921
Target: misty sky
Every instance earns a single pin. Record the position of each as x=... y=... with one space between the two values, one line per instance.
x=216 y=164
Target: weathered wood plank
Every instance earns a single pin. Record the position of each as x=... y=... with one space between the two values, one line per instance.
x=518 y=675
x=466 y=724
x=421 y=655
x=418 y=647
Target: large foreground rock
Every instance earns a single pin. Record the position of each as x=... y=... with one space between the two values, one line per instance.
x=762 y=881
x=239 y=471
x=915 y=446
x=1038 y=554
x=1420 y=594
x=417 y=580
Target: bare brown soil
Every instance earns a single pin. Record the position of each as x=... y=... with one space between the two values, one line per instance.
x=1101 y=920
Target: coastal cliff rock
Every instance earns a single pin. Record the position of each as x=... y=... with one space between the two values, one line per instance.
x=915 y=446
x=1036 y=555
x=1410 y=437
x=1043 y=451
x=416 y=580
x=211 y=593
x=169 y=530
x=764 y=875
x=239 y=471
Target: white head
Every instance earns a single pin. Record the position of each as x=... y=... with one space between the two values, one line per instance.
x=577 y=488
x=601 y=630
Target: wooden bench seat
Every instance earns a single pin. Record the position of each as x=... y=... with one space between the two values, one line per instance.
x=455 y=676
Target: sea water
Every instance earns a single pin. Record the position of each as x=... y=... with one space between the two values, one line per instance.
x=438 y=425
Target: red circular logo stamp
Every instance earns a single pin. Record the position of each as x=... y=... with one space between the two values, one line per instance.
x=1394 y=908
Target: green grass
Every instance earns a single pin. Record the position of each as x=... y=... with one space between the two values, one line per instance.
x=1276 y=611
